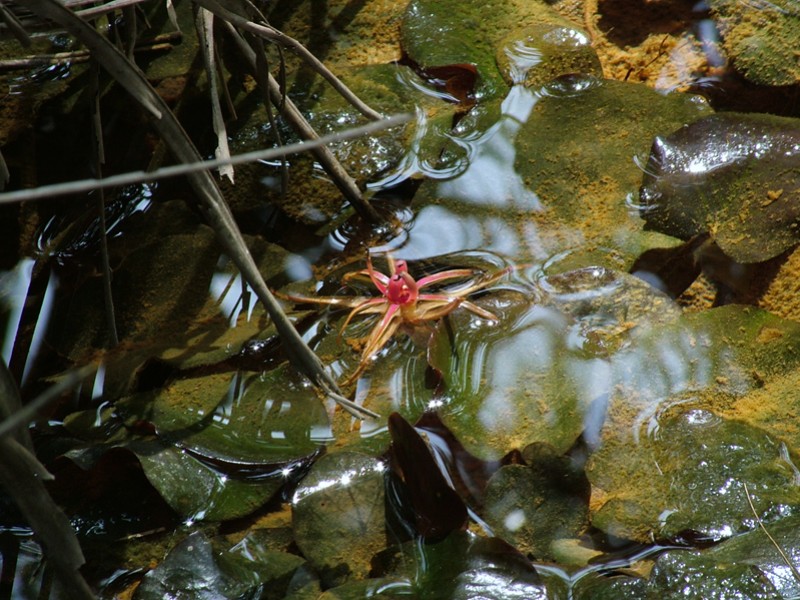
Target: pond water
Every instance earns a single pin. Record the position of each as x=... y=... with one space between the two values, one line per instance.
x=573 y=316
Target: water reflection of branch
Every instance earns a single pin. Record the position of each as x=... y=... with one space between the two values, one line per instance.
x=792 y=568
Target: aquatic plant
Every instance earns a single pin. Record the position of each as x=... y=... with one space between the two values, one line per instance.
x=402 y=303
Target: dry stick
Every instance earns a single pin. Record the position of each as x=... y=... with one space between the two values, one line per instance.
x=206 y=189
x=100 y=159
x=76 y=56
x=23 y=477
x=785 y=558
x=134 y=177
x=292 y=114
x=13 y=23
x=204 y=24
x=292 y=44
x=261 y=74
x=94 y=11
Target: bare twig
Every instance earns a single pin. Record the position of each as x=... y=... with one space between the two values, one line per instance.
x=100 y=159
x=88 y=13
x=75 y=56
x=133 y=177
x=299 y=123
x=15 y=25
x=23 y=477
x=23 y=416
x=292 y=44
x=5 y=174
x=204 y=23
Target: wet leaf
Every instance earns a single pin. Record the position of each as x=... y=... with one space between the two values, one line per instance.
x=204 y=569
x=753 y=550
x=338 y=515
x=606 y=587
x=536 y=54
x=468 y=473
x=679 y=574
x=400 y=152
x=533 y=506
x=610 y=307
x=464 y=566
x=106 y=495
x=514 y=382
x=195 y=490
x=731 y=175
x=237 y=419
x=664 y=417
x=539 y=374
x=379 y=588
x=578 y=148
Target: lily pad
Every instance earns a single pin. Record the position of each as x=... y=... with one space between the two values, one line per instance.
x=760 y=39
x=338 y=515
x=732 y=175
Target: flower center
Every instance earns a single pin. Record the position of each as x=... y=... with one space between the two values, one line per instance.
x=402 y=288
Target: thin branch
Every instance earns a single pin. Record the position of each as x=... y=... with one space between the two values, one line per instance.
x=299 y=123
x=100 y=159
x=158 y=44
x=292 y=44
x=88 y=13
x=133 y=177
x=23 y=477
x=21 y=418
x=204 y=23
x=15 y=25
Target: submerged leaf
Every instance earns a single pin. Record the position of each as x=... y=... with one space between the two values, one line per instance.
x=437 y=509
x=437 y=33
x=684 y=463
x=760 y=39
x=204 y=569
x=249 y=420
x=540 y=374
x=548 y=173
x=731 y=175
x=338 y=515
x=535 y=506
x=464 y=566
